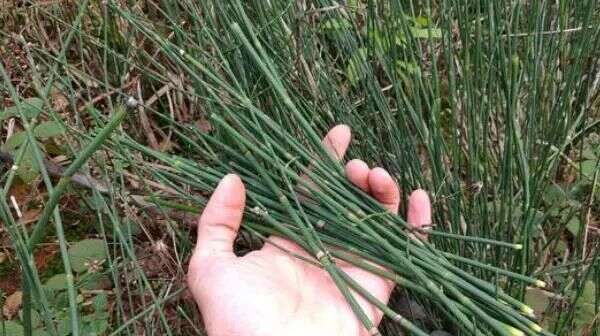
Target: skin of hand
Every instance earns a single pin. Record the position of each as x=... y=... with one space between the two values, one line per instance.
x=268 y=292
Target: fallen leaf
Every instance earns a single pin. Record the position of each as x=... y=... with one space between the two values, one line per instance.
x=537 y=299
x=30 y=216
x=12 y=305
x=204 y=125
x=45 y=255
x=59 y=101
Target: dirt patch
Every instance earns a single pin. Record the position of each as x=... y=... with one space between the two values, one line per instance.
x=10 y=277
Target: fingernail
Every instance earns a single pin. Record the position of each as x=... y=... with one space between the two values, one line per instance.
x=420 y=208
x=380 y=170
x=229 y=178
x=228 y=184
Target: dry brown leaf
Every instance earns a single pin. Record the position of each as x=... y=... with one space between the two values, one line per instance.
x=30 y=216
x=59 y=101
x=204 y=125
x=12 y=305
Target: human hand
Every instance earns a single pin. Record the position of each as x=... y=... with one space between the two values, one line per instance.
x=270 y=292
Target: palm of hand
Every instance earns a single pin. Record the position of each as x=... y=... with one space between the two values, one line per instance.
x=271 y=292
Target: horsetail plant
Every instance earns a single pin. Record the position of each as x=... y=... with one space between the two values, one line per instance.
x=374 y=237
x=272 y=163
x=475 y=102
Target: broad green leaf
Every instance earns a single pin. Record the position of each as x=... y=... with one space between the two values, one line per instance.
x=59 y=299
x=584 y=315
x=28 y=170
x=573 y=203
x=574 y=225
x=11 y=328
x=57 y=282
x=556 y=211
x=48 y=129
x=579 y=189
x=588 y=168
x=85 y=253
x=15 y=140
x=561 y=247
x=36 y=319
x=589 y=153
x=64 y=326
x=95 y=327
x=584 y=308
x=92 y=281
x=42 y=332
x=588 y=294
x=31 y=107
x=100 y=303
x=554 y=194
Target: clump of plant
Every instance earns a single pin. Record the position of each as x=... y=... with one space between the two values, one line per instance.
x=480 y=103
x=272 y=161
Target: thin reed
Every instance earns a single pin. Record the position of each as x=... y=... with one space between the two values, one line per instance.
x=486 y=105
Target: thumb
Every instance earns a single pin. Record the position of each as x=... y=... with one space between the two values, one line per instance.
x=221 y=218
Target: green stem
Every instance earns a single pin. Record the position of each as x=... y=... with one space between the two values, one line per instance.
x=39 y=230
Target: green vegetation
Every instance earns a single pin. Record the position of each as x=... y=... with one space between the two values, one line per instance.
x=491 y=106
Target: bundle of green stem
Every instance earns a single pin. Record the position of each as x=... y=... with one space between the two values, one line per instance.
x=523 y=70
x=265 y=129
x=332 y=219
x=298 y=191
x=337 y=221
